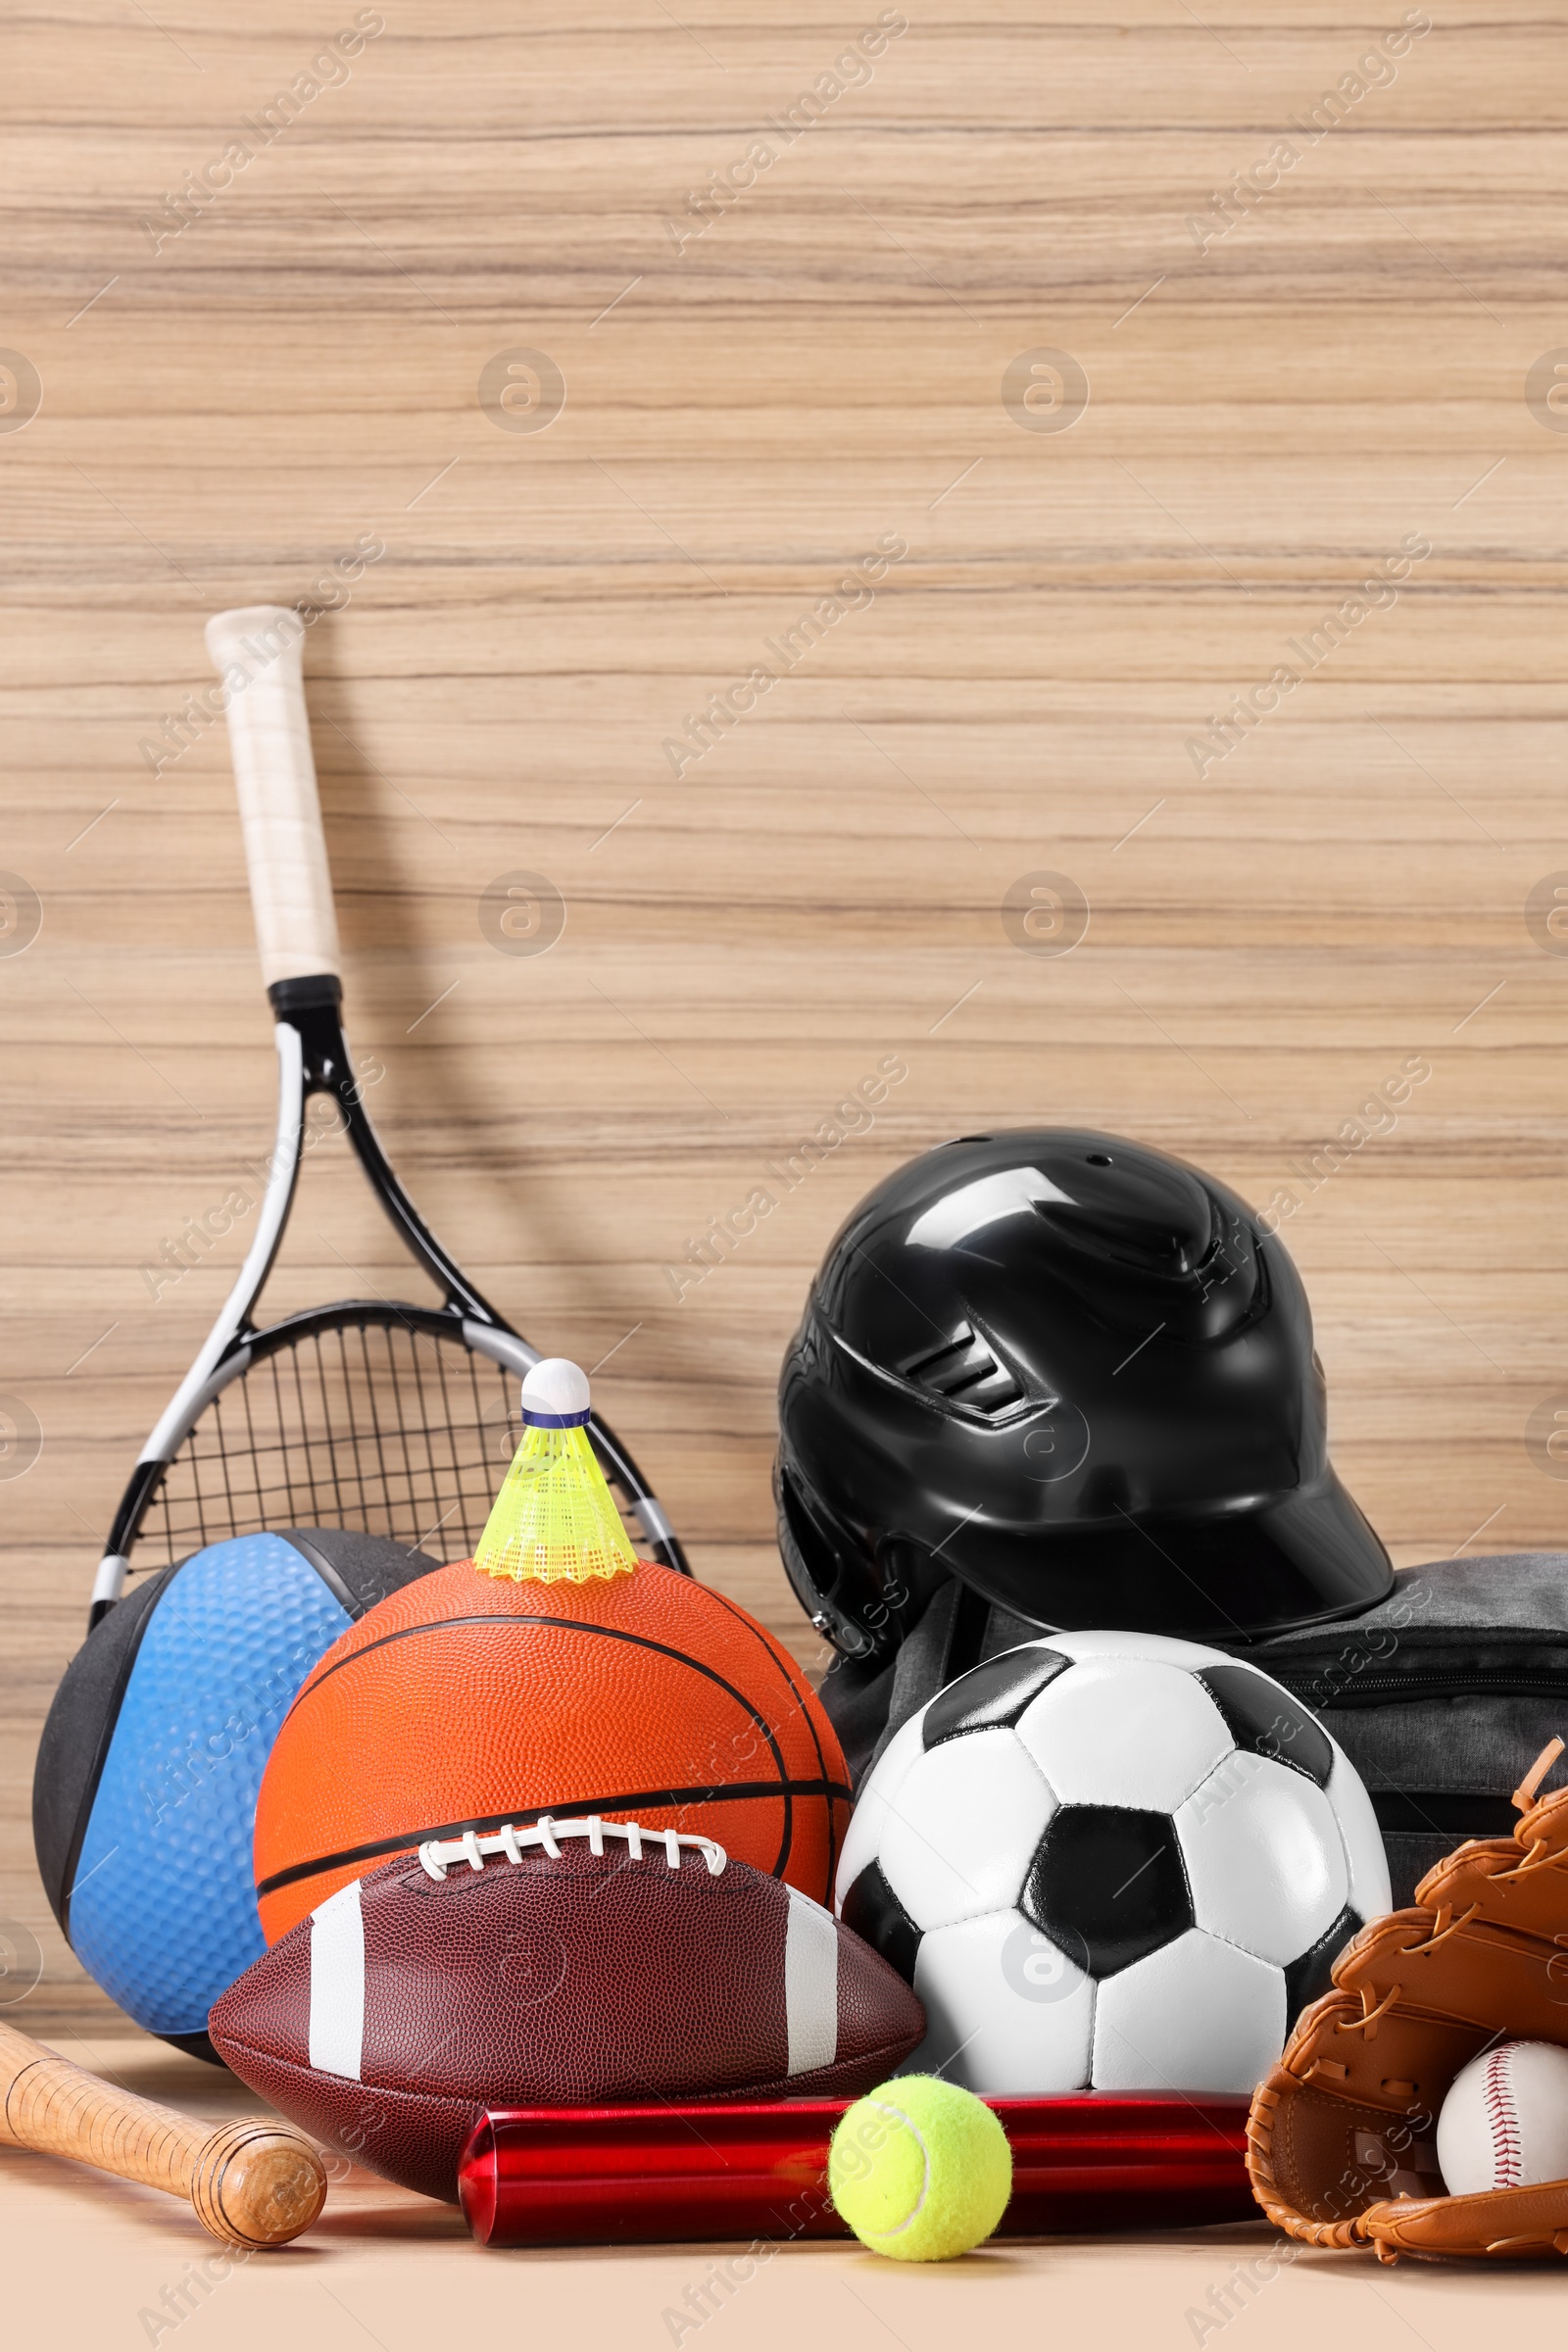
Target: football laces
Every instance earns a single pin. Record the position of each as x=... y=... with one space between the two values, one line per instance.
x=438 y=1854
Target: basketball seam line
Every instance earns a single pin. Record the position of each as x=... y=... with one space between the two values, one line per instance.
x=608 y=1633
x=732 y=1793
x=801 y=1692
x=770 y=1652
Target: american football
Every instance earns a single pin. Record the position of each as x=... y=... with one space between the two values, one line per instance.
x=1111 y=1861
x=573 y=1962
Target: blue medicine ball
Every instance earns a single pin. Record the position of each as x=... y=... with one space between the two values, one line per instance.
x=144 y=1797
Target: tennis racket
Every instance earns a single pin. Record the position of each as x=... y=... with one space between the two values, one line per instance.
x=368 y=1412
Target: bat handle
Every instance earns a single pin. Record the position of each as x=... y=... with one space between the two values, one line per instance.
x=252 y=2183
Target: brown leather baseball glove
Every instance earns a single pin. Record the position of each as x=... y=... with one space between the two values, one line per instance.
x=1340 y=2136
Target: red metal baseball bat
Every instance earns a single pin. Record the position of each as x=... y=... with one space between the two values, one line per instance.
x=607 y=2176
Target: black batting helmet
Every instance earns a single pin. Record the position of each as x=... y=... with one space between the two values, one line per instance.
x=1078 y=1375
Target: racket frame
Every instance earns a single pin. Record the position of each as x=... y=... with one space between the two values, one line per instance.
x=258 y=652
x=314 y=1059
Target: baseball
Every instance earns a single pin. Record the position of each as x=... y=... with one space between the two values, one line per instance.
x=1504 y=2123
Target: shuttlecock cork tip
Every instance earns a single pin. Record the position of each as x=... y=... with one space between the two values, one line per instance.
x=555 y=1394
x=554 y=1519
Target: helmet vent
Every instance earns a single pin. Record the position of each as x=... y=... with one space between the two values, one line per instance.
x=966 y=1372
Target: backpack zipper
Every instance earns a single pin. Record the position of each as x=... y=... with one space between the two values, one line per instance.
x=1450 y=1686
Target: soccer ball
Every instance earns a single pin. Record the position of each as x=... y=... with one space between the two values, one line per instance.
x=1111 y=1861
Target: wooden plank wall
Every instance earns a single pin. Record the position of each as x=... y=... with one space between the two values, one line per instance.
x=1346 y=354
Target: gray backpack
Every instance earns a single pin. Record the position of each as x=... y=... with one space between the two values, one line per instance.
x=1442 y=1696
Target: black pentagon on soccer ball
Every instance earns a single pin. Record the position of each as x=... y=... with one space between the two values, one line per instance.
x=993 y=1695
x=1307 y=1978
x=1108 y=1885
x=875 y=1913
x=1265 y=1721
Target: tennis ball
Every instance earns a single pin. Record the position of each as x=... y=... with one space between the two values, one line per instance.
x=920 y=2170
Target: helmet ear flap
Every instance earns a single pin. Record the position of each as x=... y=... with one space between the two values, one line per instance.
x=865 y=1605
x=829 y=1586
x=907 y=1575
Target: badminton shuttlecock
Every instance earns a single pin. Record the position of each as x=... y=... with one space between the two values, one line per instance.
x=554 y=1519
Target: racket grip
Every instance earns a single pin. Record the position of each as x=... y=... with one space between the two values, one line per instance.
x=254 y=2183
x=258 y=652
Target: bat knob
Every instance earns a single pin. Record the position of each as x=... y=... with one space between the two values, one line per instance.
x=258 y=2184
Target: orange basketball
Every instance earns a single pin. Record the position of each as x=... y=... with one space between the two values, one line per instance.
x=466 y=1701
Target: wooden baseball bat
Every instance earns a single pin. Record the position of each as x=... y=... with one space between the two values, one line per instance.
x=253 y=2183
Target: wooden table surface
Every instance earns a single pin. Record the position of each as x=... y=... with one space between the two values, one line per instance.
x=576 y=357
x=97 y=2263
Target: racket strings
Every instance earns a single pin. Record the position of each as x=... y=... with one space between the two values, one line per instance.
x=372 y=1425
